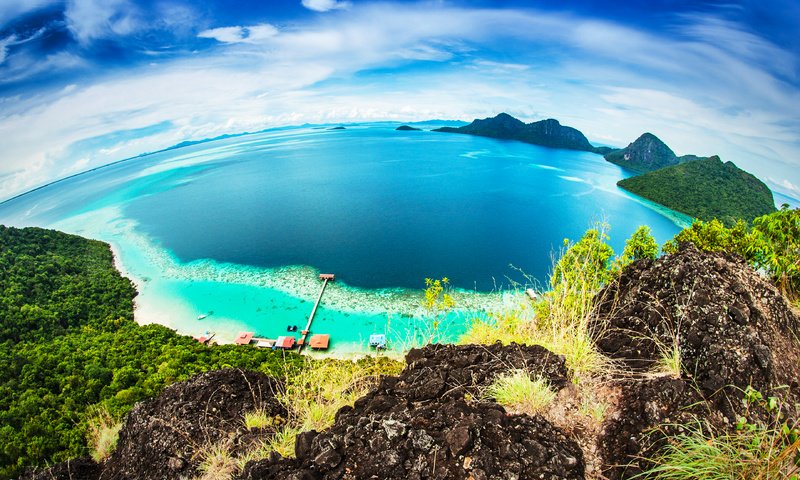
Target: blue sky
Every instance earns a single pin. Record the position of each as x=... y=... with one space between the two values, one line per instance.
x=87 y=82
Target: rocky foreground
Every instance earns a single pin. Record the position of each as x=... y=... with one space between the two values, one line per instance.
x=732 y=329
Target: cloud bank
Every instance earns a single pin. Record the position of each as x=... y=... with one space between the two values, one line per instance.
x=706 y=85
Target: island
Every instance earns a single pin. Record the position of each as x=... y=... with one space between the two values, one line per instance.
x=648 y=153
x=706 y=189
x=546 y=133
x=337 y=128
x=407 y=128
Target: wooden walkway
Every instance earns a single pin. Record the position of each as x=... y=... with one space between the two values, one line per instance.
x=326 y=277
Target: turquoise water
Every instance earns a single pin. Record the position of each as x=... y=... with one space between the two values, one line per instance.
x=241 y=227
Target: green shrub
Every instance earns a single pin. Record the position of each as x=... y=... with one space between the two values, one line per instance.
x=639 y=246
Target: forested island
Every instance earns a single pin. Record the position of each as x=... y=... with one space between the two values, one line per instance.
x=705 y=189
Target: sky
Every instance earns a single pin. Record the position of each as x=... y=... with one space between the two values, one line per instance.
x=87 y=82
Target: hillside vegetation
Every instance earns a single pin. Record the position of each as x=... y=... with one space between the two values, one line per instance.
x=69 y=345
x=705 y=189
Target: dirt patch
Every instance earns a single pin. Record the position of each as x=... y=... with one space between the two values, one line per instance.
x=579 y=411
x=429 y=422
x=161 y=438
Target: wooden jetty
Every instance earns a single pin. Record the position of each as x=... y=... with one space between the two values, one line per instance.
x=325 y=277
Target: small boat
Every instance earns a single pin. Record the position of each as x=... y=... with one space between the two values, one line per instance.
x=291 y=328
x=377 y=341
x=201 y=316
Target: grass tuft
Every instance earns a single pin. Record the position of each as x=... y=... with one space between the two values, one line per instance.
x=519 y=393
x=283 y=442
x=258 y=419
x=103 y=434
x=669 y=362
x=216 y=462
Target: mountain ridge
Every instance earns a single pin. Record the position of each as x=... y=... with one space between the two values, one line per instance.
x=545 y=133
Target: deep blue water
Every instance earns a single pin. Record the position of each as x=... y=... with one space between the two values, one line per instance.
x=379 y=208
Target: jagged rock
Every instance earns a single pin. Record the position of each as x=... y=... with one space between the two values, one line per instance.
x=161 y=437
x=429 y=423
x=733 y=330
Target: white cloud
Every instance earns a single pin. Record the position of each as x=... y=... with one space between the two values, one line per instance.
x=252 y=34
x=24 y=65
x=786 y=185
x=224 y=34
x=4 y=44
x=14 y=39
x=92 y=19
x=326 y=5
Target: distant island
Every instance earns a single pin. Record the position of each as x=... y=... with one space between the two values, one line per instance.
x=706 y=188
x=546 y=133
x=406 y=128
x=337 y=128
x=702 y=187
x=648 y=153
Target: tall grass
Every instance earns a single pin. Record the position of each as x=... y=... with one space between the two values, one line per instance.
x=103 y=434
x=258 y=419
x=313 y=395
x=560 y=319
x=756 y=453
x=216 y=462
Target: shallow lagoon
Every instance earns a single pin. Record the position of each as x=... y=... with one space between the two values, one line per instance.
x=240 y=227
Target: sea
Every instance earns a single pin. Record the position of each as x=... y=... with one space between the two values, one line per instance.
x=230 y=235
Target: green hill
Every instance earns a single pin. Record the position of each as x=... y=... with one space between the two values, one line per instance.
x=705 y=189
x=547 y=133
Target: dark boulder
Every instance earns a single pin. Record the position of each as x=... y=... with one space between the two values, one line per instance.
x=162 y=436
x=733 y=330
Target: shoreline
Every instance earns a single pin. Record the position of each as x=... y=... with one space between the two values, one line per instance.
x=397 y=306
